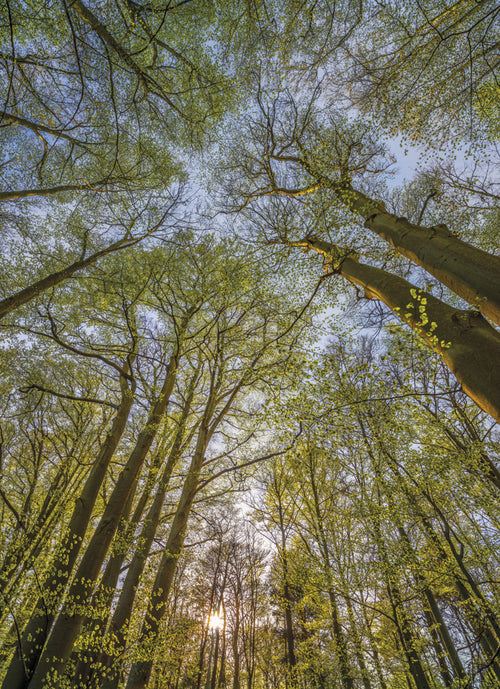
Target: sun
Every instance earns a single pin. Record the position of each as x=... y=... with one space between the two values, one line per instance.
x=215 y=621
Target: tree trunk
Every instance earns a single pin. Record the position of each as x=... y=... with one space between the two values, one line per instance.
x=433 y=614
x=40 y=622
x=404 y=625
x=471 y=273
x=373 y=644
x=287 y=598
x=25 y=193
x=69 y=621
x=338 y=633
x=141 y=670
x=235 y=639
x=468 y=345
x=102 y=599
x=121 y=617
x=29 y=293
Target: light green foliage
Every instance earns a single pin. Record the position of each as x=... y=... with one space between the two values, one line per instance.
x=335 y=493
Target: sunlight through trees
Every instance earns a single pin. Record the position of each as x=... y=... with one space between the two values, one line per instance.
x=250 y=371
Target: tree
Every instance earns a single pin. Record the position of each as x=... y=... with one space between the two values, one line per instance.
x=179 y=384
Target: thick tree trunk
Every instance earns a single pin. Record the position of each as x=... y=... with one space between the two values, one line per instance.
x=69 y=621
x=38 y=627
x=94 y=626
x=468 y=345
x=471 y=273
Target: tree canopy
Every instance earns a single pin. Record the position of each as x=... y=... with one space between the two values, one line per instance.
x=250 y=345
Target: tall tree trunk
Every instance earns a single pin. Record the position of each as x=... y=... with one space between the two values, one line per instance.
x=291 y=660
x=69 y=621
x=141 y=670
x=235 y=639
x=94 y=626
x=406 y=628
x=475 y=607
x=435 y=619
x=468 y=345
x=365 y=676
x=373 y=644
x=438 y=649
x=121 y=617
x=103 y=597
x=436 y=623
x=338 y=633
x=40 y=622
x=26 y=544
x=484 y=634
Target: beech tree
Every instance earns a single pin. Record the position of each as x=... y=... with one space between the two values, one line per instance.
x=287 y=143
x=249 y=373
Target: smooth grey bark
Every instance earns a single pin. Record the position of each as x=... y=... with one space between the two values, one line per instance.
x=141 y=670
x=68 y=624
x=466 y=342
x=470 y=272
x=40 y=622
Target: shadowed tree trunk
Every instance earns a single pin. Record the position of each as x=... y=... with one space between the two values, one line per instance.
x=404 y=624
x=39 y=625
x=433 y=613
x=68 y=624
